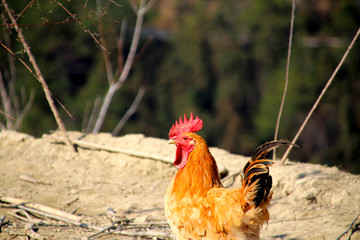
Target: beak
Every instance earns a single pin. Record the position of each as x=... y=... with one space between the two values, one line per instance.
x=171 y=141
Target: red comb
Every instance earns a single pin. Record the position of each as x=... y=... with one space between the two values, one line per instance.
x=191 y=125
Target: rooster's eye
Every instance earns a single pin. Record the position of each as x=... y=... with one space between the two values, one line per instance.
x=185 y=139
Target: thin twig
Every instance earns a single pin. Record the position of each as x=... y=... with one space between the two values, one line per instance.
x=151 y=234
x=94 y=146
x=149 y=5
x=25 y=110
x=27 y=6
x=25 y=209
x=106 y=54
x=85 y=119
x=38 y=78
x=7 y=115
x=47 y=212
x=284 y=158
x=6 y=104
x=120 y=47
x=351 y=225
x=147 y=234
x=287 y=74
x=129 y=60
x=93 y=115
x=2 y=221
x=132 y=109
x=22 y=204
x=56 y=217
x=43 y=23
x=149 y=224
x=15 y=215
x=96 y=235
x=39 y=75
x=82 y=25
x=29 y=179
x=25 y=216
x=72 y=201
x=31 y=233
x=14 y=55
x=115 y=3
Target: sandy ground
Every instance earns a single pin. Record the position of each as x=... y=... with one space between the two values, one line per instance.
x=310 y=201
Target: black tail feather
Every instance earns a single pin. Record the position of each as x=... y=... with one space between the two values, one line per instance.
x=265 y=148
x=256 y=176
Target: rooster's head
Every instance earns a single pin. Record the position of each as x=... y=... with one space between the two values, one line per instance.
x=180 y=134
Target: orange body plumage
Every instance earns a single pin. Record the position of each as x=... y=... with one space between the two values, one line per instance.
x=196 y=204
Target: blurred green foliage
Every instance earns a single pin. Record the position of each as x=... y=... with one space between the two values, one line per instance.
x=223 y=60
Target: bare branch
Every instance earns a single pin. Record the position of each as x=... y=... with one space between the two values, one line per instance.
x=120 y=46
x=133 y=47
x=93 y=115
x=26 y=109
x=6 y=101
x=85 y=120
x=12 y=93
x=125 y=72
x=287 y=74
x=106 y=54
x=39 y=75
x=284 y=158
x=129 y=112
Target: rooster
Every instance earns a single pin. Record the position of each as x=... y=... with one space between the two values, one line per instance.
x=197 y=205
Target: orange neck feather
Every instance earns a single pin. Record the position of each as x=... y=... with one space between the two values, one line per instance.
x=200 y=173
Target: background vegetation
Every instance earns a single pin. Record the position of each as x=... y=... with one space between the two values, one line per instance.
x=223 y=60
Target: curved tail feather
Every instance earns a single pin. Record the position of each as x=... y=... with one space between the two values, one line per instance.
x=257 y=180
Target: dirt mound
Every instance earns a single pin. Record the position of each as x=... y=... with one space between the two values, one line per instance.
x=309 y=202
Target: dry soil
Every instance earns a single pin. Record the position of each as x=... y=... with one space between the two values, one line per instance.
x=309 y=202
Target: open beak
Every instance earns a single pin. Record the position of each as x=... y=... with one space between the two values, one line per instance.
x=171 y=141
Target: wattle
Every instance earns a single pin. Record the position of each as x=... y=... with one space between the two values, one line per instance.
x=181 y=157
